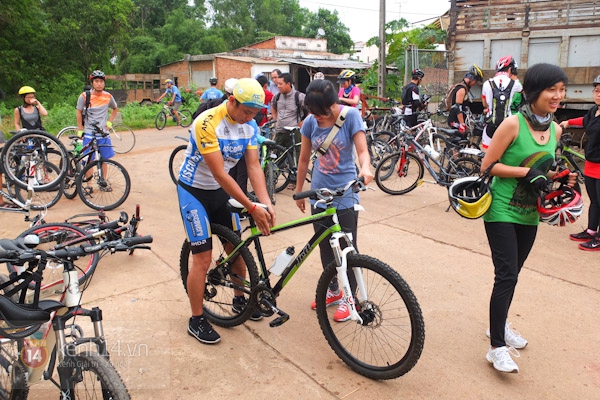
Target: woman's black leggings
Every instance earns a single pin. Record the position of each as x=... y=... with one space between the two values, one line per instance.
x=592 y=186
x=349 y=222
x=510 y=245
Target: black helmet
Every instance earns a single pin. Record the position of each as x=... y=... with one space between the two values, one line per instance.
x=97 y=74
x=597 y=81
x=417 y=74
x=213 y=80
x=475 y=73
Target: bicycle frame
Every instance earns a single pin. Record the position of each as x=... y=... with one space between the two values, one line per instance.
x=329 y=225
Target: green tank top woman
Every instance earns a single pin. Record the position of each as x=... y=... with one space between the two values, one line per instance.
x=514 y=200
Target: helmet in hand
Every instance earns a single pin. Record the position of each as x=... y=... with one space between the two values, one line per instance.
x=560 y=207
x=470 y=197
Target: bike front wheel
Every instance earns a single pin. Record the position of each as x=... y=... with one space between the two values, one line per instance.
x=94 y=377
x=185 y=117
x=399 y=173
x=103 y=185
x=390 y=339
x=122 y=139
x=224 y=280
x=161 y=120
x=284 y=168
x=175 y=160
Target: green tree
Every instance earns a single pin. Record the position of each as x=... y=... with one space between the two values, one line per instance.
x=336 y=33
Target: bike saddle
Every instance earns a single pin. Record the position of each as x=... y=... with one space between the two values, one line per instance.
x=21 y=315
x=450 y=132
x=235 y=206
x=290 y=128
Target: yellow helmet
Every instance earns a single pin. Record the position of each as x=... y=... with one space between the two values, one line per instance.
x=26 y=90
x=470 y=197
x=345 y=75
x=168 y=81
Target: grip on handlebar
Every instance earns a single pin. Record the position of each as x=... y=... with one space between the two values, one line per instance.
x=138 y=240
x=303 y=195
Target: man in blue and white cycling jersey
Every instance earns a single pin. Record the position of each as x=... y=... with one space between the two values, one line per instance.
x=219 y=137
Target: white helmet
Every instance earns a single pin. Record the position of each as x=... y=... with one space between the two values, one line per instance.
x=229 y=84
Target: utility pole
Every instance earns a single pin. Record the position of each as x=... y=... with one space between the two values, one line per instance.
x=382 y=70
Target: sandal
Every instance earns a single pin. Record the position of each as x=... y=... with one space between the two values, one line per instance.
x=291 y=186
x=9 y=206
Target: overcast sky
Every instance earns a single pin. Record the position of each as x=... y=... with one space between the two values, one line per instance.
x=362 y=17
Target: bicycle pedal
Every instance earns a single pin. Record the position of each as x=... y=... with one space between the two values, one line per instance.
x=279 y=321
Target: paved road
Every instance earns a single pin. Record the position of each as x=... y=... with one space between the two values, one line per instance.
x=444 y=258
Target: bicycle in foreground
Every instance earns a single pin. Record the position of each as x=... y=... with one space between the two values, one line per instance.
x=185 y=117
x=569 y=157
x=385 y=335
x=81 y=229
x=122 y=137
x=41 y=340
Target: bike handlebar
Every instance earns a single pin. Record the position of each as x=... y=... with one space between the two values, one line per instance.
x=15 y=251
x=327 y=195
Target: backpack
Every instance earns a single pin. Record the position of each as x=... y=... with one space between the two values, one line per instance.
x=88 y=95
x=446 y=103
x=500 y=102
x=301 y=112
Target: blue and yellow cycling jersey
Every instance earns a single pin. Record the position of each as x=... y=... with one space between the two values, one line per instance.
x=212 y=131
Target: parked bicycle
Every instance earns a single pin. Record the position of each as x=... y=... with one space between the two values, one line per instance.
x=385 y=334
x=102 y=184
x=400 y=172
x=286 y=162
x=185 y=117
x=81 y=229
x=122 y=137
x=34 y=154
x=41 y=340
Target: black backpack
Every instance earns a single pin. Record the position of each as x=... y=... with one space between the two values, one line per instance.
x=301 y=111
x=499 y=105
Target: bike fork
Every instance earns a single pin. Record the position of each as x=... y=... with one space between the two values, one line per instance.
x=342 y=273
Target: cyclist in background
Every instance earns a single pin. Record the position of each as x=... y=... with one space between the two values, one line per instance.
x=411 y=98
x=212 y=92
x=591 y=172
x=29 y=115
x=219 y=137
x=456 y=117
x=506 y=72
x=333 y=169
x=175 y=101
x=96 y=111
x=349 y=94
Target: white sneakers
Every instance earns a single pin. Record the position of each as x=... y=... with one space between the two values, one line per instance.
x=501 y=356
x=512 y=338
x=502 y=360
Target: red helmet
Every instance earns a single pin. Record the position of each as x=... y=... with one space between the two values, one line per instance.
x=560 y=207
x=506 y=62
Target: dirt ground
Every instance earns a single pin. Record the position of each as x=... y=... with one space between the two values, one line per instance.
x=443 y=257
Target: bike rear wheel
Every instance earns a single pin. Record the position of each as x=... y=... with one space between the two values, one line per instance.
x=94 y=377
x=161 y=120
x=390 y=340
x=122 y=139
x=175 y=160
x=103 y=185
x=13 y=381
x=52 y=235
x=185 y=117
x=221 y=279
x=270 y=179
x=397 y=175
x=42 y=199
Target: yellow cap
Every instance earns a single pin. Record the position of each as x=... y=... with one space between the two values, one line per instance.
x=249 y=93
